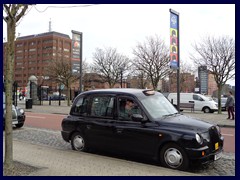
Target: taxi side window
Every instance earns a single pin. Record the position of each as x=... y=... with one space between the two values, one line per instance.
x=126 y=108
x=102 y=106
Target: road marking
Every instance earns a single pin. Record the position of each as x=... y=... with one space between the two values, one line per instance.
x=48 y=114
x=36 y=117
x=228 y=135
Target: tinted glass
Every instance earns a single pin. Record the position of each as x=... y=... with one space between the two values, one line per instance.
x=80 y=108
x=102 y=106
x=127 y=107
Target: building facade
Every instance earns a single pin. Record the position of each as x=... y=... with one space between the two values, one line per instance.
x=34 y=53
x=187 y=83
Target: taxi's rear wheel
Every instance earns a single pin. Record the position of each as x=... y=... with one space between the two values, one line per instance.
x=78 y=142
x=174 y=157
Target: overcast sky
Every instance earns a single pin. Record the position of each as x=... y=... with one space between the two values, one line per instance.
x=123 y=26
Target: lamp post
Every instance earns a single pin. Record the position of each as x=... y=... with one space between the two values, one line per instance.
x=22 y=77
x=121 y=73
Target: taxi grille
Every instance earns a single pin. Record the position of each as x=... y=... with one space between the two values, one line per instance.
x=214 y=137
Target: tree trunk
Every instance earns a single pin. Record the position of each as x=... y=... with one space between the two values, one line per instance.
x=8 y=161
x=68 y=94
x=219 y=99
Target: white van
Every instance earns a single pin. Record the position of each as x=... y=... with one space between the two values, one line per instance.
x=201 y=102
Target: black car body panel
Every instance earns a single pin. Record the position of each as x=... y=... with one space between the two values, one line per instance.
x=158 y=126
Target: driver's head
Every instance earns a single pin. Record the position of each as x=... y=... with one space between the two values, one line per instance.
x=129 y=103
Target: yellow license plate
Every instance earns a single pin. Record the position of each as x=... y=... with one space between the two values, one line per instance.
x=216 y=146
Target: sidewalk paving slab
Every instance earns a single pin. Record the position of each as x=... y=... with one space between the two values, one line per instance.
x=55 y=162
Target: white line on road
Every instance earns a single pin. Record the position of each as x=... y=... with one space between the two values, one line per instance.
x=36 y=117
x=228 y=134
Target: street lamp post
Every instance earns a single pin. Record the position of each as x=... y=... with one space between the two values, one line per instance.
x=121 y=73
x=22 y=78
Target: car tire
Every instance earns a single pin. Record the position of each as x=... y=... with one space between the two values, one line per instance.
x=206 y=110
x=78 y=142
x=174 y=157
x=19 y=125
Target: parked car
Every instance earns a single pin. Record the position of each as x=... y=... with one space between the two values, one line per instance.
x=56 y=97
x=223 y=103
x=201 y=102
x=18 y=115
x=156 y=131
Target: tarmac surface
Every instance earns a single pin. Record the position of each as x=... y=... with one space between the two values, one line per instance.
x=62 y=162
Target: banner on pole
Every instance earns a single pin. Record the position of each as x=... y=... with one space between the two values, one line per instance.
x=174 y=41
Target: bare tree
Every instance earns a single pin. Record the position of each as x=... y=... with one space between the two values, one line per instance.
x=218 y=54
x=13 y=14
x=60 y=71
x=152 y=58
x=110 y=65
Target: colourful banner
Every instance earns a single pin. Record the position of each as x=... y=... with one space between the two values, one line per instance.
x=76 y=51
x=76 y=46
x=174 y=38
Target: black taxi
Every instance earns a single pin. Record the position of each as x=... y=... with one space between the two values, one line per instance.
x=151 y=127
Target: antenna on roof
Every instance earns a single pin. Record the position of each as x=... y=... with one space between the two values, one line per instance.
x=50 y=25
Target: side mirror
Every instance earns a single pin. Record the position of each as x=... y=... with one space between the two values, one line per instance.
x=138 y=118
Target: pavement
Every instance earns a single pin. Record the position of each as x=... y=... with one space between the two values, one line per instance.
x=55 y=162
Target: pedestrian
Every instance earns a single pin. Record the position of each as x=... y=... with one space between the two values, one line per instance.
x=230 y=105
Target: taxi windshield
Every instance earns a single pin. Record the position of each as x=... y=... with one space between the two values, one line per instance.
x=158 y=106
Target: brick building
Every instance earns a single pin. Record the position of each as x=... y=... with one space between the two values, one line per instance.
x=34 y=53
x=187 y=83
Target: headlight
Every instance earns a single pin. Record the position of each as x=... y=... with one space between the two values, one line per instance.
x=199 y=139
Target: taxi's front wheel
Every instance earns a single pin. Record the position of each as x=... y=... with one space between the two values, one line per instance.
x=174 y=157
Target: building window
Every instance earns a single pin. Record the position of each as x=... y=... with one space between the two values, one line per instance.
x=32 y=43
x=19 y=45
x=46 y=54
x=67 y=44
x=48 y=41
x=19 y=51
x=66 y=50
x=32 y=50
x=47 y=48
x=32 y=62
x=31 y=56
x=46 y=61
x=19 y=57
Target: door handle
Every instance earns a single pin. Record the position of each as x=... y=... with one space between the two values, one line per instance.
x=119 y=130
x=89 y=126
